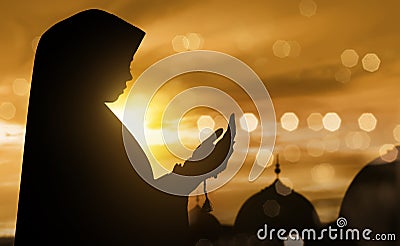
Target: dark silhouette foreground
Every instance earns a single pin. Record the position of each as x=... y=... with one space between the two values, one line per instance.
x=78 y=186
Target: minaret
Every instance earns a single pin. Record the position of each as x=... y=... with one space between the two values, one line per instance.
x=277 y=167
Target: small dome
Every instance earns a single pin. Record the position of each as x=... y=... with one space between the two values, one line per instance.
x=276 y=209
x=277 y=206
x=203 y=225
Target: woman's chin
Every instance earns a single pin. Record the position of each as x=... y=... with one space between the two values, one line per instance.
x=113 y=98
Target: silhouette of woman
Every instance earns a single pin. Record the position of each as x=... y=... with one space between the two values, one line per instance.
x=78 y=186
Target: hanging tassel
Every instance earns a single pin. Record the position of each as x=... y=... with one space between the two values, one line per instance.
x=207 y=207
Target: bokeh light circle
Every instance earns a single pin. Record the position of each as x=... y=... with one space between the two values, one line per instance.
x=349 y=58
x=367 y=122
x=371 y=62
x=292 y=153
x=323 y=173
x=248 y=122
x=289 y=121
x=314 y=121
x=331 y=121
x=388 y=153
x=307 y=8
x=7 y=110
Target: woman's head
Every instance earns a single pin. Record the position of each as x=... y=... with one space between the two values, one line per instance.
x=86 y=56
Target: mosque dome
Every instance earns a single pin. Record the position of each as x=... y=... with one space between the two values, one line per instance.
x=278 y=206
x=372 y=199
x=203 y=225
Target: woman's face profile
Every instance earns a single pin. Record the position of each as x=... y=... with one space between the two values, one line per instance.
x=119 y=74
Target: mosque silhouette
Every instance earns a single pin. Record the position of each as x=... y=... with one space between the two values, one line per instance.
x=371 y=201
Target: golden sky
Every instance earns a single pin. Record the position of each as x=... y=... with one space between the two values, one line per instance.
x=315 y=57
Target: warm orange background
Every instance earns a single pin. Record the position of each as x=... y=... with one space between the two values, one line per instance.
x=294 y=46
